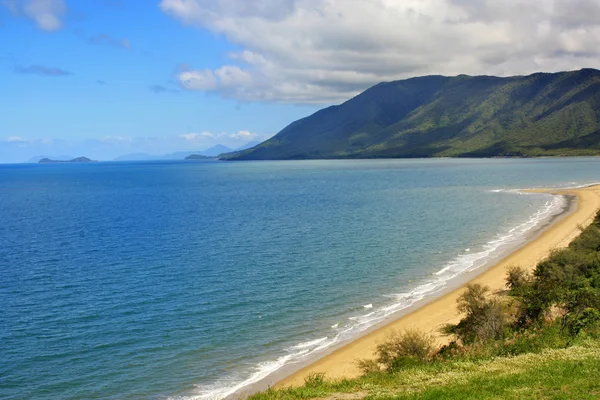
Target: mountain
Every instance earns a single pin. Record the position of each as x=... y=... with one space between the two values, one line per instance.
x=178 y=155
x=37 y=159
x=462 y=116
x=248 y=145
x=198 y=157
x=75 y=160
x=215 y=151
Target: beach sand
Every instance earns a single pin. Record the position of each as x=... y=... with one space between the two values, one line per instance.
x=430 y=317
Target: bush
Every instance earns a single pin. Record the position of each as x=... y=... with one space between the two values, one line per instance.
x=567 y=281
x=314 y=380
x=587 y=318
x=549 y=336
x=517 y=278
x=485 y=318
x=368 y=366
x=400 y=350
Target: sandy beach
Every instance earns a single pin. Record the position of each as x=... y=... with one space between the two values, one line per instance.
x=433 y=315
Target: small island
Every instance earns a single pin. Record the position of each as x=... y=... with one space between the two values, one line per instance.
x=198 y=157
x=75 y=160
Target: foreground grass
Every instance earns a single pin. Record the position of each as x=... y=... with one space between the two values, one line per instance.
x=571 y=373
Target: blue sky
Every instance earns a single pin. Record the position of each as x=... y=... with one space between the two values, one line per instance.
x=104 y=84
x=102 y=78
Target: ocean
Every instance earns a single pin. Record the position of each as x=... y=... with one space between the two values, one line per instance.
x=191 y=280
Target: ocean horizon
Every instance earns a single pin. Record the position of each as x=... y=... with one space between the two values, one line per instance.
x=190 y=280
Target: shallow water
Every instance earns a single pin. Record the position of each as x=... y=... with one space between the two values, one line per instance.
x=160 y=279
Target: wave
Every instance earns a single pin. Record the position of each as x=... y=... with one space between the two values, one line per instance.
x=465 y=262
x=309 y=344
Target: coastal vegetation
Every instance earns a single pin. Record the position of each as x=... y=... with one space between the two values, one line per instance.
x=463 y=116
x=540 y=338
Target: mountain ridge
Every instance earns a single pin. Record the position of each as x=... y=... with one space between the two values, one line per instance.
x=462 y=116
x=178 y=155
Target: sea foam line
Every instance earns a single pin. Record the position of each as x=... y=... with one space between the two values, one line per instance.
x=357 y=324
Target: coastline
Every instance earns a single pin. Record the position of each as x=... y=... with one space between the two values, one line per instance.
x=428 y=315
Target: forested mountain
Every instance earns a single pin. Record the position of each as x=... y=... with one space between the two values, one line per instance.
x=462 y=116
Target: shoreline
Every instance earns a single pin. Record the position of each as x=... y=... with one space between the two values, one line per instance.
x=430 y=313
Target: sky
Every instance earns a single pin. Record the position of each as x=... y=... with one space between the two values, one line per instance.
x=103 y=78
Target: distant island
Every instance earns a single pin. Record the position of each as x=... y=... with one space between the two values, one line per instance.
x=199 y=157
x=178 y=155
x=541 y=114
x=75 y=160
x=211 y=152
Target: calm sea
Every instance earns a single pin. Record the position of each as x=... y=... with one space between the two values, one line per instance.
x=191 y=279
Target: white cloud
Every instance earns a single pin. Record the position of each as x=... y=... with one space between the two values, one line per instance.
x=15 y=139
x=47 y=14
x=323 y=51
x=17 y=142
x=243 y=135
x=198 y=80
x=196 y=137
x=215 y=137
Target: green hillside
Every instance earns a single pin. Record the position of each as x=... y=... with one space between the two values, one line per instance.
x=463 y=116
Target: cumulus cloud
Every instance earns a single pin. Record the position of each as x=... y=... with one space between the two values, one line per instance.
x=243 y=135
x=196 y=137
x=324 y=51
x=47 y=14
x=41 y=70
x=198 y=80
x=240 y=136
x=107 y=40
x=15 y=139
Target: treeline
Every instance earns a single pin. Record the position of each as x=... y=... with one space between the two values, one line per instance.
x=554 y=307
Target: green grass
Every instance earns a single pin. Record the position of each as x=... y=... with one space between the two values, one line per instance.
x=571 y=373
x=568 y=374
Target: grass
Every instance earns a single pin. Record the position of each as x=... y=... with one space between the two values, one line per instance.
x=570 y=373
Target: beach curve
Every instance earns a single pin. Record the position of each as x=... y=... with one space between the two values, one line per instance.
x=434 y=314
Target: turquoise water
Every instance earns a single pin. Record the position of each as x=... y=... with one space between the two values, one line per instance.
x=175 y=279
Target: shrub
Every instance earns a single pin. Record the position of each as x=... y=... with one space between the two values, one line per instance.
x=400 y=350
x=314 y=380
x=576 y=322
x=368 y=366
x=485 y=318
x=517 y=278
x=568 y=281
x=534 y=340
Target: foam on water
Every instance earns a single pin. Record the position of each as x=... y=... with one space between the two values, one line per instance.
x=469 y=260
x=311 y=343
